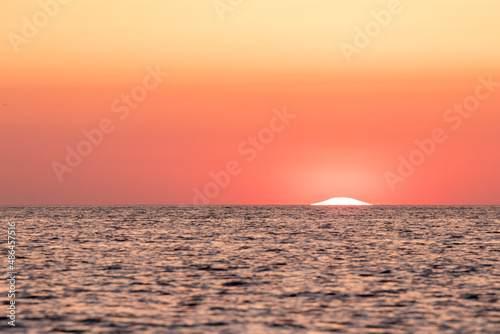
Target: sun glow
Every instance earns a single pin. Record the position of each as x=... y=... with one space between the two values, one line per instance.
x=342 y=201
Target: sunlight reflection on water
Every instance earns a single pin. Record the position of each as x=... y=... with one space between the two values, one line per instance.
x=246 y=269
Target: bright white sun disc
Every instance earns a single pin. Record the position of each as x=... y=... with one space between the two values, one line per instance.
x=342 y=201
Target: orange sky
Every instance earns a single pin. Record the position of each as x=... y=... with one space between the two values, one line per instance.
x=354 y=115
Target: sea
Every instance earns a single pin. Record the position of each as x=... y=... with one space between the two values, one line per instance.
x=253 y=269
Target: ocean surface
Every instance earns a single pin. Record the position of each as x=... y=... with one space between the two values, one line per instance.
x=254 y=269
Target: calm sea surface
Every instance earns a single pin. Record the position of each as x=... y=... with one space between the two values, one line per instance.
x=255 y=269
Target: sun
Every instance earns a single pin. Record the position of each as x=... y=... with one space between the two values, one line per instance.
x=342 y=201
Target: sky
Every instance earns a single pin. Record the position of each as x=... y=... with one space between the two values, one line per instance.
x=249 y=102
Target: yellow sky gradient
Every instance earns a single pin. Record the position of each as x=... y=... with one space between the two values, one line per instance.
x=88 y=38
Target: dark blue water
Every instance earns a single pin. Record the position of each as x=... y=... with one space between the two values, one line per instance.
x=246 y=269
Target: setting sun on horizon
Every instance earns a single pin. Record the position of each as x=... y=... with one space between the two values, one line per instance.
x=250 y=166
x=341 y=201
